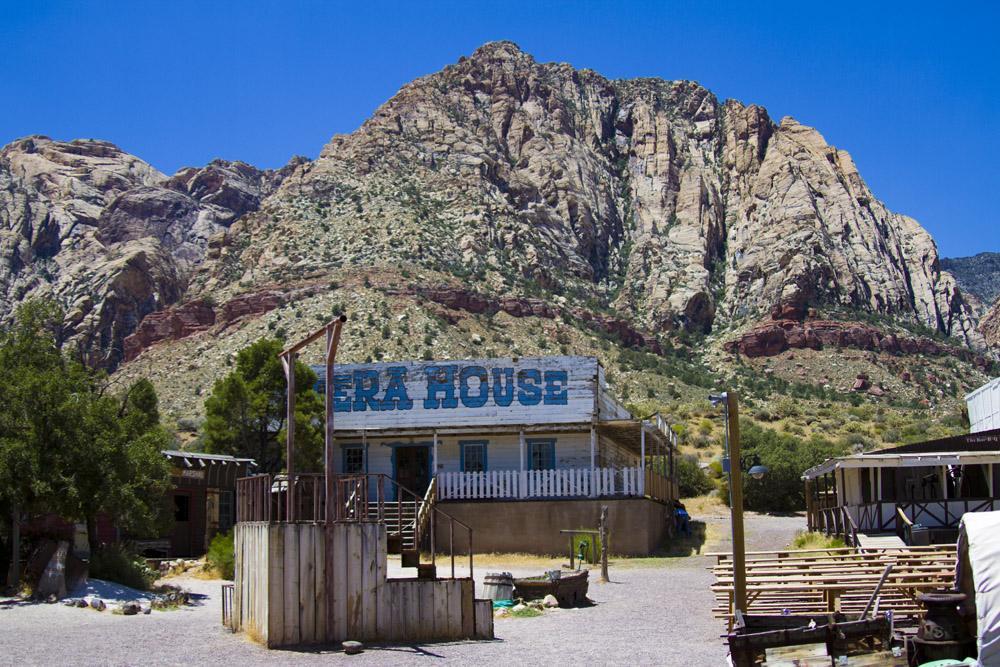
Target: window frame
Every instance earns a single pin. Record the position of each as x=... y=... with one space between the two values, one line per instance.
x=462 y=448
x=543 y=446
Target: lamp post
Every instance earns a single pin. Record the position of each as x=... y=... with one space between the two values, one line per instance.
x=756 y=470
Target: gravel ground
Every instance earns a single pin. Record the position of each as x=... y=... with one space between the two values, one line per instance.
x=655 y=612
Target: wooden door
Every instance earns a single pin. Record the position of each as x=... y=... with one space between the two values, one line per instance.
x=413 y=468
x=183 y=523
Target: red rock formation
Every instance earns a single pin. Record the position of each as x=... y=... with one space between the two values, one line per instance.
x=771 y=338
x=175 y=323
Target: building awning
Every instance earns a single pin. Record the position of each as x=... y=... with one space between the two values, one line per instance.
x=875 y=460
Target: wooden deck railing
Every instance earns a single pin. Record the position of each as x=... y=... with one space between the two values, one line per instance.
x=558 y=483
x=356 y=499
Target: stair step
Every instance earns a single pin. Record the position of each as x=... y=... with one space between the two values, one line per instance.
x=411 y=558
x=426 y=571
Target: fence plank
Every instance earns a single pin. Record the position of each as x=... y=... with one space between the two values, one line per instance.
x=291 y=585
x=307 y=584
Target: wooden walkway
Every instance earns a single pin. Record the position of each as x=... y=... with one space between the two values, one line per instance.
x=879 y=541
x=835 y=580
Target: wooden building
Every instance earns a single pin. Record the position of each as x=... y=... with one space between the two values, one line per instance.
x=917 y=493
x=517 y=448
x=203 y=499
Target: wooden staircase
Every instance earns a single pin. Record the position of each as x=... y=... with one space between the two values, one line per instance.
x=406 y=523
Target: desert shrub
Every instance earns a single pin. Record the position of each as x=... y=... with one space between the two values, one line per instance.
x=804 y=540
x=221 y=554
x=120 y=563
x=692 y=480
x=705 y=426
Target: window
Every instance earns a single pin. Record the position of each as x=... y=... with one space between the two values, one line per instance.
x=225 y=510
x=354 y=460
x=543 y=454
x=473 y=456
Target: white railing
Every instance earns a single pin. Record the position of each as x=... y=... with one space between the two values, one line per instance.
x=523 y=484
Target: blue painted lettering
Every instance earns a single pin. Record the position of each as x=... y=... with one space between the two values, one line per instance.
x=440 y=380
x=503 y=396
x=395 y=394
x=555 y=387
x=341 y=383
x=527 y=383
x=364 y=397
x=465 y=390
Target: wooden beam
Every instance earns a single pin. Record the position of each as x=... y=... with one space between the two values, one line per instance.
x=313 y=336
x=736 y=488
x=289 y=364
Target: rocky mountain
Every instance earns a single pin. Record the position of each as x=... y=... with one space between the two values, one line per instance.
x=646 y=208
x=978 y=275
x=108 y=236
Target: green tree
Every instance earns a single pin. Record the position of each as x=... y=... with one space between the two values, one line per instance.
x=786 y=457
x=692 y=480
x=246 y=413
x=67 y=445
x=115 y=453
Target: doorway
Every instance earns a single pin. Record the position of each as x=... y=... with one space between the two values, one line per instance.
x=183 y=525
x=412 y=468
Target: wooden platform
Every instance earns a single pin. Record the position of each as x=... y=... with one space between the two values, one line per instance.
x=285 y=574
x=830 y=580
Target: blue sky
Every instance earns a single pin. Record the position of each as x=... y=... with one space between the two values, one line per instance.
x=909 y=89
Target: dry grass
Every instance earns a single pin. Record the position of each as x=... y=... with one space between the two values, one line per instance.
x=517 y=560
x=707 y=505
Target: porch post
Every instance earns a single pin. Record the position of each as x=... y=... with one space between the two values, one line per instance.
x=434 y=465
x=523 y=480
x=809 y=507
x=642 y=447
x=943 y=476
x=593 y=453
x=364 y=451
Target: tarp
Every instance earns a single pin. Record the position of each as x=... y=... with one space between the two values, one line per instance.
x=979 y=553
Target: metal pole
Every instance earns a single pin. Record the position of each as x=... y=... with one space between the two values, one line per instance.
x=736 y=497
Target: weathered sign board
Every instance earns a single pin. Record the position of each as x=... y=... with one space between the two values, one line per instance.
x=479 y=391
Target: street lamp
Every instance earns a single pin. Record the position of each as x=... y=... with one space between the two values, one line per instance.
x=750 y=464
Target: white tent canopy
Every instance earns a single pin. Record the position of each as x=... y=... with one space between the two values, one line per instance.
x=979 y=552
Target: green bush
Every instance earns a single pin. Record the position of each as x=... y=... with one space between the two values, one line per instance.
x=221 y=554
x=692 y=480
x=120 y=563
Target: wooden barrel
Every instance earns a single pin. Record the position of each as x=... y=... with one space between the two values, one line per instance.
x=498 y=586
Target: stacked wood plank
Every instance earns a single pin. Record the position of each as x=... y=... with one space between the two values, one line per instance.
x=829 y=580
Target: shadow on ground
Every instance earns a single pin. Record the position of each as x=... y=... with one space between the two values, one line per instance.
x=682 y=545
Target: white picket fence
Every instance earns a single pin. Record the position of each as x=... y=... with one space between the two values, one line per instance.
x=561 y=483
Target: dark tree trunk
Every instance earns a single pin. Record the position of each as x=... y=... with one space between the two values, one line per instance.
x=92 y=541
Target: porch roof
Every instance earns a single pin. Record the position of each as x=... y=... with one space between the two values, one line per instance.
x=628 y=432
x=912 y=460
